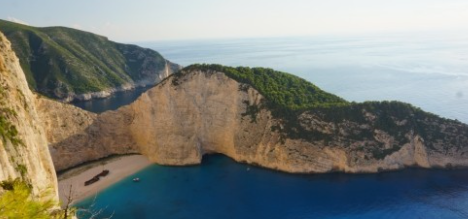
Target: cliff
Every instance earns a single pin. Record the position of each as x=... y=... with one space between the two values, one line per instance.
x=213 y=109
x=76 y=136
x=24 y=150
x=68 y=64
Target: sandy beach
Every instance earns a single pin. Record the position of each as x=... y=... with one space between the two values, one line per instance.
x=119 y=167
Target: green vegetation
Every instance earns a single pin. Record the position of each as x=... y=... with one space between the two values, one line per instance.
x=22 y=170
x=252 y=111
x=17 y=202
x=282 y=89
x=288 y=97
x=395 y=118
x=58 y=61
x=380 y=154
x=8 y=131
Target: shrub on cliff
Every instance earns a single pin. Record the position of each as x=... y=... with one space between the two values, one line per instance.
x=16 y=202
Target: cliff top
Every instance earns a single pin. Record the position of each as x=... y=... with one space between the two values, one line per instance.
x=282 y=89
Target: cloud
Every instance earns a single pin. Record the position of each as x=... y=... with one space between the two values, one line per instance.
x=77 y=26
x=16 y=20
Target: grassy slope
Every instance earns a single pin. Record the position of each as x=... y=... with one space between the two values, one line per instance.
x=282 y=89
x=59 y=60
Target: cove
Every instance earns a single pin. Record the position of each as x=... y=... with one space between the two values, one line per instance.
x=222 y=188
x=112 y=102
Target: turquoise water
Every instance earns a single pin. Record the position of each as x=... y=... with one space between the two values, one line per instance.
x=428 y=71
x=221 y=188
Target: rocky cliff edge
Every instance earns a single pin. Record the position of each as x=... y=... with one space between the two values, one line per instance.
x=199 y=112
x=24 y=150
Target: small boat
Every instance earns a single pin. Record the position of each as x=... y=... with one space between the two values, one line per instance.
x=91 y=181
x=104 y=173
x=136 y=179
x=96 y=178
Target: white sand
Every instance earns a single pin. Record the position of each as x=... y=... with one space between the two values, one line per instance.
x=119 y=168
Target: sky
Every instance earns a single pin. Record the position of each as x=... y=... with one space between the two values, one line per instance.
x=152 y=20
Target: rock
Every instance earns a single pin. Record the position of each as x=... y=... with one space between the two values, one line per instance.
x=199 y=112
x=23 y=144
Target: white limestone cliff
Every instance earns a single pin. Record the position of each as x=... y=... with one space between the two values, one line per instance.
x=23 y=145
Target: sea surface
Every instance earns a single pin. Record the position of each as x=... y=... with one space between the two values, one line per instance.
x=222 y=189
x=427 y=70
x=113 y=102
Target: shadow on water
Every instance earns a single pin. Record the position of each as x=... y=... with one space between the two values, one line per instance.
x=221 y=188
x=113 y=102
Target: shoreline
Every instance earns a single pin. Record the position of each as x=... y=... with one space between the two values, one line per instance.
x=105 y=94
x=119 y=167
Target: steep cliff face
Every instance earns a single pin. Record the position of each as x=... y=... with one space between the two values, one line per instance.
x=68 y=64
x=23 y=145
x=201 y=111
x=207 y=112
x=76 y=136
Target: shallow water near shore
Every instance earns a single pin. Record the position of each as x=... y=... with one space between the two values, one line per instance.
x=222 y=188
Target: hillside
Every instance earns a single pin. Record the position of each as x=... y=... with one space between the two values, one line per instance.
x=67 y=64
x=216 y=109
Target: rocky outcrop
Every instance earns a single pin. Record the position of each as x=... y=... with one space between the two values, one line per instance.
x=202 y=112
x=76 y=136
x=23 y=146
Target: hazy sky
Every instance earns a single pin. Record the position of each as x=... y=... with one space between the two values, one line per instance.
x=146 y=20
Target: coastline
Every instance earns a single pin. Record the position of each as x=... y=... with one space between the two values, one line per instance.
x=106 y=93
x=119 y=167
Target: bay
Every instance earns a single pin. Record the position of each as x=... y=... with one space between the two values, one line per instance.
x=222 y=188
x=112 y=102
x=429 y=71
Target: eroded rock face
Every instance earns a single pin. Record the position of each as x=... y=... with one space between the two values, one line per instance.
x=189 y=115
x=76 y=136
x=23 y=145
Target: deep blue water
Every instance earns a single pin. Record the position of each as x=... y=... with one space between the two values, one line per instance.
x=221 y=188
x=113 y=102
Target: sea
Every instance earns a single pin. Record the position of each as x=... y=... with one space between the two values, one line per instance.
x=112 y=102
x=428 y=70
x=220 y=188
